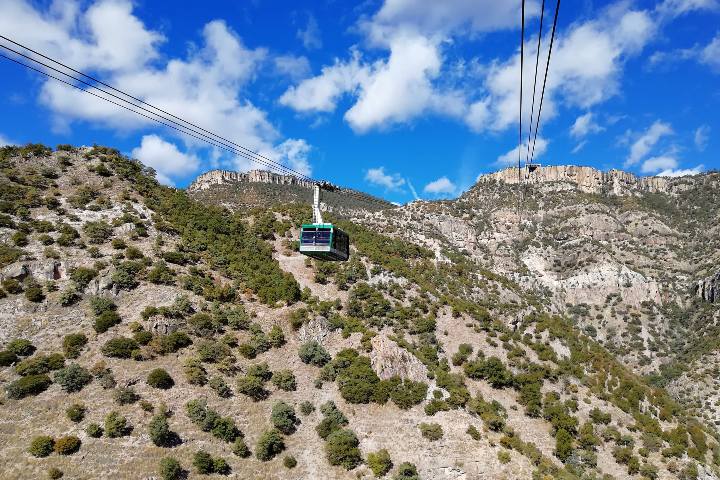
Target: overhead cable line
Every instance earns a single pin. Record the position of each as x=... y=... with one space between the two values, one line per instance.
x=249 y=151
x=537 y=60
x=164 y=118
x=547 y=67
x=522 y=60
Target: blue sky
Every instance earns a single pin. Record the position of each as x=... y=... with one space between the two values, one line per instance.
x=400 y=98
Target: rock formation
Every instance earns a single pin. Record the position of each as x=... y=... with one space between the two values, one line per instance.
x=219 y=177
x=708 y=288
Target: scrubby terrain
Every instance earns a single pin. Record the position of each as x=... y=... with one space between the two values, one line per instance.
x=145 y=334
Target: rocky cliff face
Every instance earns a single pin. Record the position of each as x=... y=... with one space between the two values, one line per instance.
x=585 y=179
x=708 y=288
x=220 y=177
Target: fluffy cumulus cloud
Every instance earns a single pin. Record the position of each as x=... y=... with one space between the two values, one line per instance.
x=675 y=8
x=646 y=141
x=683 y=172
x=710 y=54
x=389 y=181
x=206 y=86
x=511 y=157
x=584 y=125
x=310 y=34
x=165 y=158
x=441 y=186
x=658 y=164
x=415 y=77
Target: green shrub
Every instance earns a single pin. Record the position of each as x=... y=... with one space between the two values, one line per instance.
x=212 y=352
x=225 y=429
x=13 y=287
x=55 y=473
x=7 y=358
x=195 y=373
x=252 y=386
x=39 y=364
x=76 y=412
x=269 y=445
x=82 y=276
x=72 y=378
x=342 y=449
x=98 y=231
x=407 y=471
x=142 y=337
x=160 y=432
x=222 y=389
x=504 y=457
x=563 y=444
x=34 y=293
x=283 y=418
x=220 y=466
x=333 y=419
x=474 y=432
x=170 y=343
x=492 y=370
x=306 y=408
x=159 y=378
x=313 y=353
x=106 y=320
x=170 y=469
x=408 y=393
x=73 y=344
x=125 y=396
x=69 y=296
x=379 y=462
x=94 y=430
x=284 y=380
x=202 y=325
x=240 y=448
x=431 y=431
x=67 y=445
x=26 y=386
x=289 y=461
x=203 y=463
x=161 y=274
x=116 y=425
x=101 y=304
x=41 y=446
x=276 y=337
x=119 y=347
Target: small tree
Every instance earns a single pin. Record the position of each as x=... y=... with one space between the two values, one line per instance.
x=94 y=430
x=563 y=444
x=240 y=448
x=342 y=449
x=203 y=463
x=276 y=337
x=252 y=386
x=160 y=378
x=283 y=418
x=379 y=462
x=116 y=425
x=73 y=344
x=29 y=385
x=160 y=432
x=289 y=461
x=407 y=471
x=67 y=445
x=269 y=445
x=170 y=469
x=284 y=380
x=314 y=354
x=431 y=431
x=73 y=377
x=41 y=446
x=76 y=412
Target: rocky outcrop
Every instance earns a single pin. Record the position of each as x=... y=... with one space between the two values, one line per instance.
x=708 y=288
x=220 y=177
x=388 y=360
x=40 y=270
x=585 y=179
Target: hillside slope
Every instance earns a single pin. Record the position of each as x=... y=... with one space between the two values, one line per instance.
x=138 y=325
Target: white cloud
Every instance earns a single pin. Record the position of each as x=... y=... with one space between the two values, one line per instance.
x=442 y=185
x=682 y=172
x=206 y=86
x=377 y=176
x=710 y=55
x=584 y=125
x=511 y=157
x=321 y=93
x=310 y=35
x=291 y=66
x=657 y=164
x=4 y=141
x=294 y=154
x=167 y=160
x=702 y=135
x=642 y=146
x=579 y=147
x=675 y=8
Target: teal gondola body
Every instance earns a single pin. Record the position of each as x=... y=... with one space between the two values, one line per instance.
x=324 y=241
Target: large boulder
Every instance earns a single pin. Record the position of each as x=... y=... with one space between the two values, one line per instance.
x=388 y=359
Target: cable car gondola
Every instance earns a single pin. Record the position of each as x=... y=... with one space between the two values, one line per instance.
x=323 y=241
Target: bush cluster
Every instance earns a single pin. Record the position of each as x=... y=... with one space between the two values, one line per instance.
x=160 y=378
x=209 y=420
